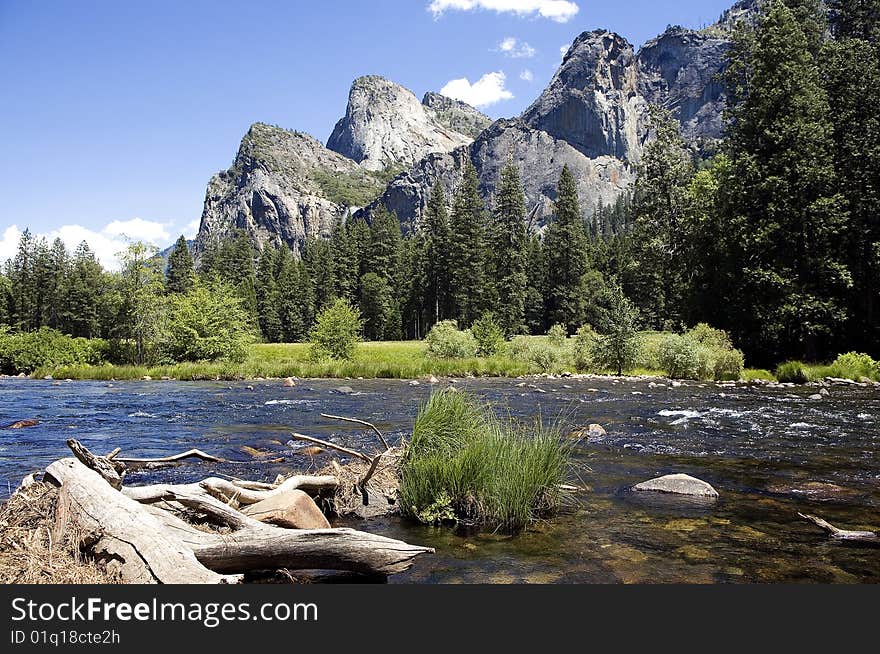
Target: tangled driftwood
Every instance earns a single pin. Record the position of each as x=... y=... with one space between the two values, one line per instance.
x=140 y=532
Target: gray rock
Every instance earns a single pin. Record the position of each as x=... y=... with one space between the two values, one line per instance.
x=540 y=158
x=680 y=70
x=678 y=484
x=344 y=390
x=278 y=190
x=457 y=115
x=592 y=101
x=386 y=125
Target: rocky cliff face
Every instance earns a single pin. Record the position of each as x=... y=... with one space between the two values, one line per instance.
x=593 y=101
x=283 y=187
x=540 y=158
x=386 y=125
x=456 y=115
x=679 y=70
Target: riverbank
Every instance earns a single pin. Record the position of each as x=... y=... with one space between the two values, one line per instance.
x=372 y=360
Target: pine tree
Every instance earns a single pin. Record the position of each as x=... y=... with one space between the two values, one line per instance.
x=856 y=19
x=267 y=294
x=658 y=276
x=851 y=71
x=436 y=231
x=378 y=308
x=143 y=319
x=180 y=275
x=565 y=248
x=86 y=294
x=318 y=260
x=383 y=254
x=510 y=240
x=534 y=304
x=345 y=255
x=57 y=272
x=784 y=216
x=467 y=249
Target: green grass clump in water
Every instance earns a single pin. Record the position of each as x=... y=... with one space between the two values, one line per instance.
x=465 y=464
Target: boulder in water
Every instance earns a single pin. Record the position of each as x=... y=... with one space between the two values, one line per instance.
x=344 y=390
x=678 y=484
x=289 y=383
x=21 y=424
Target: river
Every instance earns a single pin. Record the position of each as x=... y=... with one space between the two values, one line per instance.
x=770 y=452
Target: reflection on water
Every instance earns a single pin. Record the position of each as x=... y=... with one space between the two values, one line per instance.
x=770 y=452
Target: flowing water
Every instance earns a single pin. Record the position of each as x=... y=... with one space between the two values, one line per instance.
x=770 y=452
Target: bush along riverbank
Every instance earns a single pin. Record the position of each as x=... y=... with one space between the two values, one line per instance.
x=702 y=353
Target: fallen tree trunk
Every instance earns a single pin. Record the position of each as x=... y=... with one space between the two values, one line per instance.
x=843 y=534
x=121 y=533
x=146 y=544
x=189 y=454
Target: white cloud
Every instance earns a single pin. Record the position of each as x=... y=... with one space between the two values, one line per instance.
x=559 y=10
x=192 y=229
x=527 y=76
x=138 y=229
x=516 y=49
x=106 y=243
x=488 y=90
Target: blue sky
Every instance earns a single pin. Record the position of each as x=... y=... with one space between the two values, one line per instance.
x=115 y=114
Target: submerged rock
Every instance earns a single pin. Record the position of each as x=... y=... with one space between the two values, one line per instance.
x=344 y=390
x=678 y=484
x=21 y=424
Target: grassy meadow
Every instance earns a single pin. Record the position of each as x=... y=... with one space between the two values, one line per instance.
x=372 y=360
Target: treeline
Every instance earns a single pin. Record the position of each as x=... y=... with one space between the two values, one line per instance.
x=775 y=238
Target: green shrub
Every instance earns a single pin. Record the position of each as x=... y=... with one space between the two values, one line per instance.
x=557 y=336
x=714 y=339
x=489 y=335
x=793 y=372
x=855 y=365
x=208 y=323
x=680 y=357
x=539 y=353
x=46 y=348
x=729 y=365
x=337 y=332
x=584 y=344
x=464 y=464
x=446 y=341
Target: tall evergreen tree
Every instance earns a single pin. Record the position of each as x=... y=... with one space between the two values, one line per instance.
x=566 y=255
x=86 y=295
x=180 y=275
x=851 y=70
x=436 y=231
x=509 y=252
x=56 y=278
x=535 y=309
x=267 y=294
x=318 y=260
x=467 y=249
x=784 y=216
x=657 y=279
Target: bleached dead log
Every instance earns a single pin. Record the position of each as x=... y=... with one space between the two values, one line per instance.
x=372 y=460
x=272 y=548
x=189 y=454
x=229 y=491
x=111 y=471
x=843 y=534
x=358 y=421
x=119 y=531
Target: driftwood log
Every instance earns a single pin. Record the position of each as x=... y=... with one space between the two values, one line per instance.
x=843 y=534
x=133 y=531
